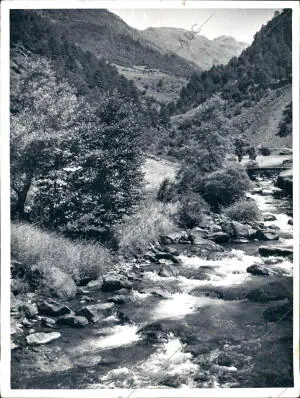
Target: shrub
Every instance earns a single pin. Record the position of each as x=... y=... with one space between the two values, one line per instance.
x=33 y=246
x=223 y=187
x=151 y=219
x=192 y=210
x=167 y=191
x=243 y=210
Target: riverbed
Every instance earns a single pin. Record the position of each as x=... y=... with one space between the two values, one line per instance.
x=195 y=329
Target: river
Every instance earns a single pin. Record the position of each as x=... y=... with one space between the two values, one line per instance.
x=196 y=329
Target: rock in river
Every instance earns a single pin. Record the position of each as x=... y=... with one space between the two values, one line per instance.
x=269 y=217
x=53 y=308
x=96 y=312
x=236 y=229
x=266 y=251
x=42 y=338
x=258 y=269
x=72 y=320
x=285 y=181
x=166 y=256
x=266 y=235
x=115 y=282
x=219 y=237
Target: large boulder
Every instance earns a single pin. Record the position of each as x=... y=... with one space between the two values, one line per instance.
x=267 y=251
x=115 y=282
x=285 y=181
x=96 y=312
x=207 y=245
x=52 y=308
x=219 y=237
x=42 y=338
x=269 y=217
x=174 y=237
x=258 y=269
x=241 y=230
x=167 y=256
x=72 y=320
x=48 y=322
x=266 y=235
x=196 y=236
x=236 y=229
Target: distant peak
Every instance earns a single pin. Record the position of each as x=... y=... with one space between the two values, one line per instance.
x=228 y=39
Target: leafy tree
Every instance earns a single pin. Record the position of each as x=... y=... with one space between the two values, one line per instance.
x=42 y=122
x=108 y=181
x=210 y=139
x=83 y=161
x=285 y=125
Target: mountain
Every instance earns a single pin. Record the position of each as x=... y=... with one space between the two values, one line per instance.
x=266 y=64
x=107 y=36
x=230 y=45
x=196 y=48
x=90 y=75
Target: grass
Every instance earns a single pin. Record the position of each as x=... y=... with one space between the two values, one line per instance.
x=156 y=170
x=243 y=210
x=151 y=220
x=46 y=250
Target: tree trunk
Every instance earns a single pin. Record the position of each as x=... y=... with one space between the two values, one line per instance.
x=22 y=196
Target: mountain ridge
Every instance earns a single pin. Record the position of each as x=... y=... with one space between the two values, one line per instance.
x=196 y=48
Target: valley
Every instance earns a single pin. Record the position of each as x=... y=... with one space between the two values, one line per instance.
x=151 y=204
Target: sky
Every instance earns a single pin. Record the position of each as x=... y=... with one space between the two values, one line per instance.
x=241 y=24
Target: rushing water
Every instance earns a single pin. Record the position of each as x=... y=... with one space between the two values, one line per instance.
x=207 y=334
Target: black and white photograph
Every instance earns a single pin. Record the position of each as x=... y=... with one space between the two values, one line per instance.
x=150 y=195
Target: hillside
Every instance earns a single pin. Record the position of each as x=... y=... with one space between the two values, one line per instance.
x=258 y=124
x=107 y=36
x=151 y=82
x=203 y=52
x=91 y=76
